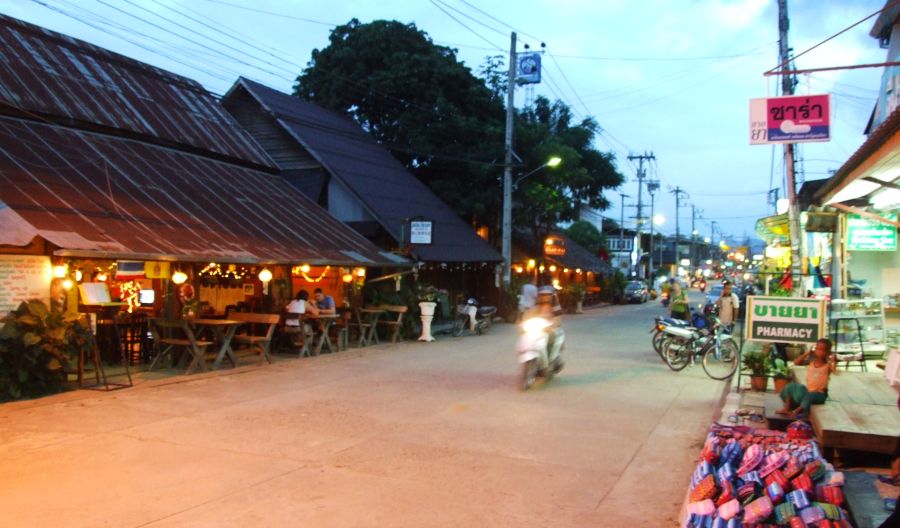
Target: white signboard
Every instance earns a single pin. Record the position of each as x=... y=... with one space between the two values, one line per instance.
x=23 y=277
x=784 y=319
x=420 y=232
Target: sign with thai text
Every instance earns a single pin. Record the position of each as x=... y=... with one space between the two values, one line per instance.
x=784 y=319
x=790 y=119
x=554 y=247
x=420 y=232
x=23 y=277
x=868 y=234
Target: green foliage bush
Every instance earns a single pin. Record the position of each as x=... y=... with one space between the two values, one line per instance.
x=37 y=346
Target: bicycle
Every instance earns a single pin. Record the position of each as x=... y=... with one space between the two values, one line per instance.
x=718 y=350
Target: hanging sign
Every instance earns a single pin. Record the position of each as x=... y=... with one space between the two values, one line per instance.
x=554 y=247
x=784 y=319
x=866 y=234
x=790 y=119
x=528 y=68
x=420 y=232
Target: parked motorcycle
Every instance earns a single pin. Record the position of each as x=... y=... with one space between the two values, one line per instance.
x=539 y=350
x=477 y=318
x=702 y=285
x=658 y=331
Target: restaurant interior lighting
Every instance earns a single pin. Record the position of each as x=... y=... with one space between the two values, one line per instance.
x=360 y=272
x=265 y=275
x=101 y=277
x=578 y=270
x=78 y=275
x=178 y=277
x=552 y=269
x=60 y=271
x=531 y=264
x=303 y=267
x=541 y=268
x=347 y=277
x=565 y=270
x=67 y=284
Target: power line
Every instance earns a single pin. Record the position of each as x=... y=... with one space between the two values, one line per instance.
x=279 y=15
x=461 y=23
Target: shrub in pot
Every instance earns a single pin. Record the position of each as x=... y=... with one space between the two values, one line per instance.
x=757 y=364
x=781 y=374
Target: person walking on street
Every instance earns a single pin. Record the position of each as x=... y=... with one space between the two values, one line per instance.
x=678 y=303
x=728 y=304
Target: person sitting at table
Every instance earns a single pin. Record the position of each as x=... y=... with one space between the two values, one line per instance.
x=325 y=303
x=301 y=305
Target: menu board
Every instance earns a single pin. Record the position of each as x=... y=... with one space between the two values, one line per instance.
x=865 y=234
x=23 y=277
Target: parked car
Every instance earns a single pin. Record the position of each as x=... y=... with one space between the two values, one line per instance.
x=636 y=292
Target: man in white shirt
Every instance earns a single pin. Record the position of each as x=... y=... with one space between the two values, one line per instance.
x=728 y=304
x=527 y=298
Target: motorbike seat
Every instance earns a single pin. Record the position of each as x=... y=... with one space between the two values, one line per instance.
x=671 y=321
x=487 y=310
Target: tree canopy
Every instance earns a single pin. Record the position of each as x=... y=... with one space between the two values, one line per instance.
x=447 y=125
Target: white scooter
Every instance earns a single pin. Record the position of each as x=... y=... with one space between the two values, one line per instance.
x=537 y=355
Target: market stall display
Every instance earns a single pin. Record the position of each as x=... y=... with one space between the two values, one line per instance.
x=747 y=476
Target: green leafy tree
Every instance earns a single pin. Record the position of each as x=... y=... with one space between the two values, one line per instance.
x=417 y=99
x=586 y=235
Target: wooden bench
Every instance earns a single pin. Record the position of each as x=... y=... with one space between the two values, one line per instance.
x=860 y=414
x=298 y=336
x=393 y=318
x=259 y=332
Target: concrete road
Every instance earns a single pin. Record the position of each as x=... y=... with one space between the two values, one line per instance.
x=407 y=435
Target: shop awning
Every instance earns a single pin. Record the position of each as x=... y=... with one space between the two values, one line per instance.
x=772 y=228
x=95 y=195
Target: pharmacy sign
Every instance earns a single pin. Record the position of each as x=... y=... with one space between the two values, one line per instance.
x=784 y=319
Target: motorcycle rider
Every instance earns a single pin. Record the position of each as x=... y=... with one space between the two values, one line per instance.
x=547 y=306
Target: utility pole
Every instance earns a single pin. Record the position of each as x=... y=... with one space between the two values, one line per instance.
x=652 y=187
x=693 y=233
x=787 y=88
x=640 y=209
x=678 y=192
x=507 y=162
x=621 y=245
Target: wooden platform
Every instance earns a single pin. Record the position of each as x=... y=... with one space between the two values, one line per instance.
x=860 y=414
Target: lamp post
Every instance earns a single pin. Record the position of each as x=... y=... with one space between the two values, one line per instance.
x=659 y=220
x=652 y=187
x=508 y=187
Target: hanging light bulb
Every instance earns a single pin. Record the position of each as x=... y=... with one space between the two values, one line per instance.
x=360 y=272
x=552 y=269
x=303 y=267
x=78 y=275
x=265 y=275
x=101 y=277
x=347 y=277
x=179 y=277
x=60 y=271
x=67 y=284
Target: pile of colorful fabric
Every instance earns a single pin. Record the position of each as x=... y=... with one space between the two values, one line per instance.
x=761 y=478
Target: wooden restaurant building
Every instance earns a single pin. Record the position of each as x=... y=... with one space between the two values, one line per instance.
x=328 y=157
x=113 y=171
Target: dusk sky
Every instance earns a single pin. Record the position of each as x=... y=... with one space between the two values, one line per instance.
x=671 y=78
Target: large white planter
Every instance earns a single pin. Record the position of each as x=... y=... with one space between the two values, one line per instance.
x=427 y=310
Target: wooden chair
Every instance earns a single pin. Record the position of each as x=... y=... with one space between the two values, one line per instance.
x=341 y=329
x=255 y=338
x=170 y=335
x=393 y=322
x=299 y=336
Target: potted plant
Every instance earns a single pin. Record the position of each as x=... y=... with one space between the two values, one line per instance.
x=757 y=363
x=781 y=373
x=577 y=290
x=428 y=296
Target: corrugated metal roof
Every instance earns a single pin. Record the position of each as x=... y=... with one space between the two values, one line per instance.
x=98 y=195
x=377 y=179
x=58 y=77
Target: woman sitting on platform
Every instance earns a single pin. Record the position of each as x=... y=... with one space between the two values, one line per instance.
x=798 y=398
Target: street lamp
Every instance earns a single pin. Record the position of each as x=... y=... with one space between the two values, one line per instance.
x=658 y=220
x=507 y=215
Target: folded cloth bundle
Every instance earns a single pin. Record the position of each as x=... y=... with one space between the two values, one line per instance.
x=778 y=477
x=815 y=469
x=727 y=492
x=711 y=450
x=752 y=458
x=775 y=492
x=812 y=514
x=792 y=468
x=725 y=473
x=802 y=482
x=773 y=462
x=704 y=507
x=758 y=510
x=705 y=489
x=797 y=522
x=752 y=476
x=729 y=509
x=731 y=454
x=830 y=494
x=719 y=522
x=747 y=492
x=783 y=512
x=832 y=512
x=799 y=499
x=701 y=521
x=799 y=430
x=703 y=469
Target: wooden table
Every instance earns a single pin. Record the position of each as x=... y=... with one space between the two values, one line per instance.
x=223 y=331
x=372 y=315
x=323 y=324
